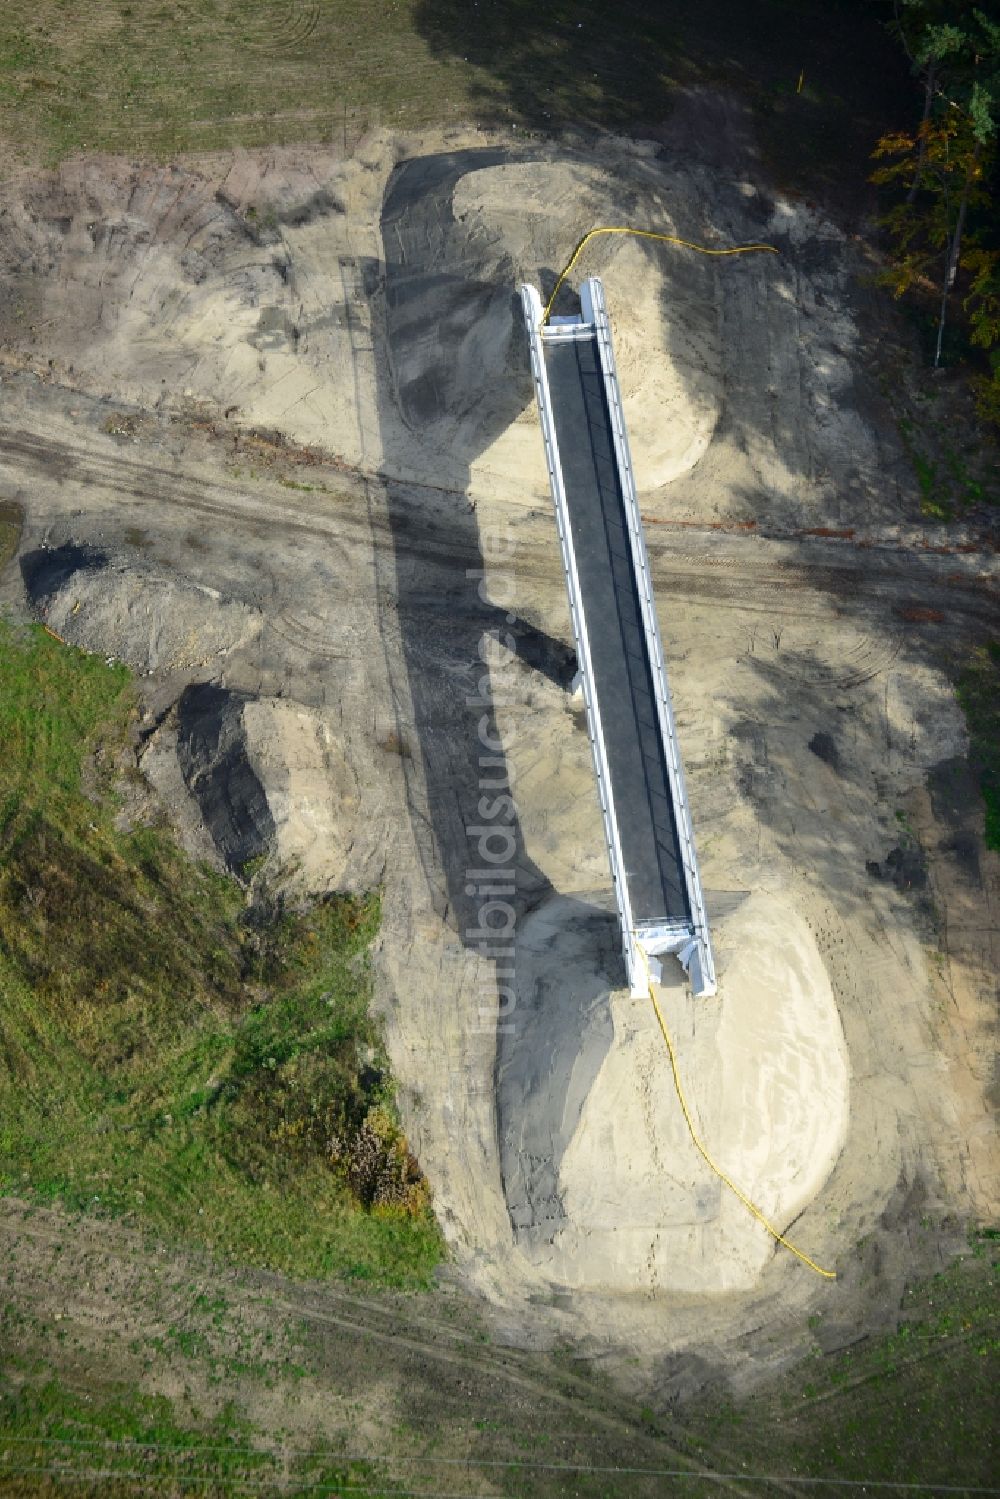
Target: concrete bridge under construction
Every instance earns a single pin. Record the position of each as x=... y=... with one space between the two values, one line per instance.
x=621 y=670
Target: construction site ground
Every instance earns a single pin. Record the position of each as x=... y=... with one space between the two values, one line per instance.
x=265 y=422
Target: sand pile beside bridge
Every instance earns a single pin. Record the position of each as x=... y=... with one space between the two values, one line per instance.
x=605 y=1184
x=371 y=311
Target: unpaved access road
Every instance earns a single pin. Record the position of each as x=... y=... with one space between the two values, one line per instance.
x=750 y=570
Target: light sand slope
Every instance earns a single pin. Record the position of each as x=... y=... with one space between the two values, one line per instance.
x=764 y=1068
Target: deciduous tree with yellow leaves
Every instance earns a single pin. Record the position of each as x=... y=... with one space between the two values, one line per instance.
x=942 y=224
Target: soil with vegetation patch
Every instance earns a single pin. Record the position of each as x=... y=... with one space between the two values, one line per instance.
x=11 y=521
x=979 y=695
x=127 y=1363
x=175 y=1044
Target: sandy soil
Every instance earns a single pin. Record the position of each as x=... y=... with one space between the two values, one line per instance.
x=766 y=1077
x=154 y=320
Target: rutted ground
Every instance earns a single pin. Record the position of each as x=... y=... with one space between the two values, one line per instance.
x=421 y=1391
x=155 y=315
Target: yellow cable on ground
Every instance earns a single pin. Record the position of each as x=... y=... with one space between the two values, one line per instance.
x=668 y=239
x=827 y=1274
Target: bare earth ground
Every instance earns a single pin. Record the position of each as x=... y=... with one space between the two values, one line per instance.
x=156 y=321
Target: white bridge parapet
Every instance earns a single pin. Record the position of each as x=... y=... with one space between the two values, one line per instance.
x=622 y=673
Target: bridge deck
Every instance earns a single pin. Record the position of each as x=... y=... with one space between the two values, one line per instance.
x=623 y=682
x=647 y=821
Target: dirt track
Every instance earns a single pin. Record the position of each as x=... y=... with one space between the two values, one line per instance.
x=745 y=570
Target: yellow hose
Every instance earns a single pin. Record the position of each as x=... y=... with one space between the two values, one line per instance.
x=667 y=239
x=703 y=1152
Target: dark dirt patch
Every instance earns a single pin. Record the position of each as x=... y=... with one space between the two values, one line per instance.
x=824 y=746
x=955 y=801
x=920 y=614
x=953 y=791
x=907 y=867
x=11 y=525
x=49 y=569
x=212 y=751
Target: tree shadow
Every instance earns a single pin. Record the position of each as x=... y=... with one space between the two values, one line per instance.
x=567 y=62
x=607 y=66
x=456 y=347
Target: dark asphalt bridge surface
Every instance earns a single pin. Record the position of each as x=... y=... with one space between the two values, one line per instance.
x=622 y=672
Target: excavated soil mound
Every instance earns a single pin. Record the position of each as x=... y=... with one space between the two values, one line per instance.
x=253 y=778
x=605 y=1186
x=214 y=759
x=118 y=607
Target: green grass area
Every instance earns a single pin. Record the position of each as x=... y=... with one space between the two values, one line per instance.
x=168 y=1048
x=133 y=1443
x=158 y=79
x=979 y=695
x=916 y=1407
x=117 y=75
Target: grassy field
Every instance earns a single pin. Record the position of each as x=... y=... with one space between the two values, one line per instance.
x=912 y=1408
x=201 y=74
x=167 y=1049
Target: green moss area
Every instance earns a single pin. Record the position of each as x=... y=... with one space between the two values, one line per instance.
x=168 y=1048
x=979 y=696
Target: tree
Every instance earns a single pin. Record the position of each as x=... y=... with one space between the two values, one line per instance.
x=954 y=47
x=983 y=306
x=944 y=169
x=944 y=165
